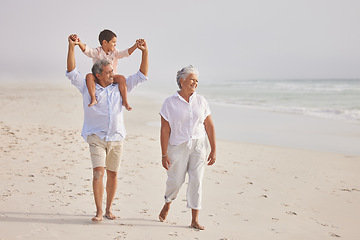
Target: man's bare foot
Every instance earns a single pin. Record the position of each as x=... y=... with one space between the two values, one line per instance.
x=197 y=226
x=92 y=102
x=110 y=216
x=97 y=218
x=164 y=212
x=127 y=106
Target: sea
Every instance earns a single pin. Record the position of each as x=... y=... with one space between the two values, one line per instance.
x=337 y=99
x=313 y=114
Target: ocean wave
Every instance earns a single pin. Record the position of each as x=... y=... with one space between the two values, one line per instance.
x=308 y=86
x=348 y=115
x=329 y=113
x=332 y=98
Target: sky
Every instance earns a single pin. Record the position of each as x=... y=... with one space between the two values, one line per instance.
x=224 y=40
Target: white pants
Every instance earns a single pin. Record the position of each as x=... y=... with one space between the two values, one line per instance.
x=186 y=159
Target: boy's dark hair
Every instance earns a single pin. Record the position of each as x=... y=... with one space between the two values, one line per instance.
x=106 y=35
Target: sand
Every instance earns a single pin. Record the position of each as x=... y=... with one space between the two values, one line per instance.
x=252 y=192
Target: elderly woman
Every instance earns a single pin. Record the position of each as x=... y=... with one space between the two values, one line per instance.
x=185 y=123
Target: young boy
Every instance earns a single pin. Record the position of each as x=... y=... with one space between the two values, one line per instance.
x=107 y=51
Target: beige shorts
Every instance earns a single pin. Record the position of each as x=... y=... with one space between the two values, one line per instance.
x=105 y=154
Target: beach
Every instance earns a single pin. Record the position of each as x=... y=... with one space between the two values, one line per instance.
x=254 y=190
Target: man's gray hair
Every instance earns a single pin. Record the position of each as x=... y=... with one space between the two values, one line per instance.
x=98 y=66
x=184 y=72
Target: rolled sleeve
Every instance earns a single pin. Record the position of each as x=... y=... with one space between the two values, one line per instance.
x=164 y=112
x=207 y=108
x=122 y=54
x=134 y=80
x=76 y=79
x=91 y=52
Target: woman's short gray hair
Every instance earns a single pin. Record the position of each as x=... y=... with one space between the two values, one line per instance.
x=98 y=66
x=184 y=72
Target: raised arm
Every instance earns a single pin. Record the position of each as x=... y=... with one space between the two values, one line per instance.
x=78 y=42
x=71 y=54
x=132 y=48
x=82 y=46
x=144 y=66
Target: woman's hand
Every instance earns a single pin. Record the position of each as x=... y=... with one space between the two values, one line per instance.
x=166 y=162
x=211 y=158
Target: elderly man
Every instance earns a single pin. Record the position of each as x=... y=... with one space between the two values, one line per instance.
x=104 y=127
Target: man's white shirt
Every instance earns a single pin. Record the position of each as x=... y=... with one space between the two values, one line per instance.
x=106 y=118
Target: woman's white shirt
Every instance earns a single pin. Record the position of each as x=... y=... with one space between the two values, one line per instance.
x=186 y=119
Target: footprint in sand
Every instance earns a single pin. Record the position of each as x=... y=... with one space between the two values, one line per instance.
x=349 y=190
x=144 y=211
x=122 y=235
x=174 y=234
x=334 y=235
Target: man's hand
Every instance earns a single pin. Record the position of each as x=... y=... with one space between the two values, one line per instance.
x=142 y=45
x=74 y=39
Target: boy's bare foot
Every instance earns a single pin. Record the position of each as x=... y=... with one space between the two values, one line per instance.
x=161 y=219
x=97 y=218
x=92 y=102
x=197 y=226
x=110 y=216
x=127 y=106
x=164 y=212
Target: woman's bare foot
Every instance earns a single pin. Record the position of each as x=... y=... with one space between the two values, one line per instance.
x=92 y=102
x=98 y=217
x=110 y=216
x=164 y=212
x=194 y=221
x=196 y=225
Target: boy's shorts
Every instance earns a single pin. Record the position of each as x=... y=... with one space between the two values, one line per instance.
x=105 y=154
